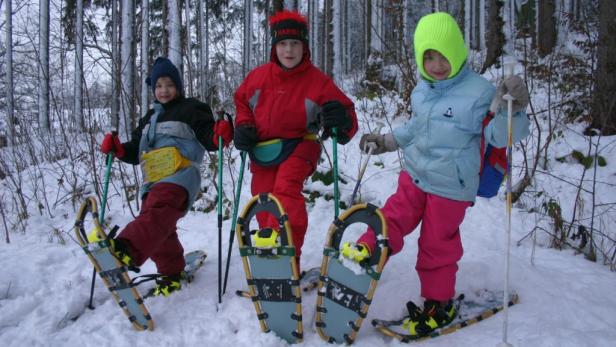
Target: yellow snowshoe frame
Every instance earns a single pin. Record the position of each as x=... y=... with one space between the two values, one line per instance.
x=271 y=273
x=343 y=296
x=113 y=273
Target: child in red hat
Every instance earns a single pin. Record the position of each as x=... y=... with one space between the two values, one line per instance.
x=289 y=99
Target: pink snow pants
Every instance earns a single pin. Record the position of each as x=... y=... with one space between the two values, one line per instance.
x=440 y=247
x=153 y=233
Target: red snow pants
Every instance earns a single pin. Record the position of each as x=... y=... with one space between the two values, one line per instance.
x=440 y=247
x=153 y=233
x=285 y=181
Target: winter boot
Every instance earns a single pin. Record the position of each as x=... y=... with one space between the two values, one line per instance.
x=119 y=247
x=266 y=238
x=435 y=314
x=355 y=252
x=121 y=250
x=165 y=285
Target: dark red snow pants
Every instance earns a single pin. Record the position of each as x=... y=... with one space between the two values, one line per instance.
x=153 y=233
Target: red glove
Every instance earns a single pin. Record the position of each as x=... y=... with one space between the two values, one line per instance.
x=224 y=129
x=111 y=143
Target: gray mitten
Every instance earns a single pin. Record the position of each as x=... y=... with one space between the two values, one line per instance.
x=379 y=143
x=514 y=86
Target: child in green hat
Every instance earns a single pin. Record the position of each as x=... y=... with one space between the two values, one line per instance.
x=441 y=150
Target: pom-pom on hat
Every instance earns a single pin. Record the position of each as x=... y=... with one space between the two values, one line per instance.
x=164 y=67
x=440 y=32
x=286 y=25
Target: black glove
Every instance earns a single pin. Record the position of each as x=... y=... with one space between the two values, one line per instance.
x=245 y=137
x=334 y=115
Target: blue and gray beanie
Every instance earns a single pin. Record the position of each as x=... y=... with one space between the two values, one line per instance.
x=164 y=67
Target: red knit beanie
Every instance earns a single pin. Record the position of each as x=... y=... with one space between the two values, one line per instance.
x=286 y=25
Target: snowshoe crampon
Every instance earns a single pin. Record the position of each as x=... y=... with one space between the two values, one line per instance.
x=472 y=309
x=113 y=273
x=271 y=271
x=344 y=295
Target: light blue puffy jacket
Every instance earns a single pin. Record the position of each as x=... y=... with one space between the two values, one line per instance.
x=440 y=142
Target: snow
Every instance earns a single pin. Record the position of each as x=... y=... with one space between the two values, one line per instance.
x=565 y=300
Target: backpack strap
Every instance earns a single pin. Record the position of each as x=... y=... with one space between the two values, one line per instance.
x=486 y=120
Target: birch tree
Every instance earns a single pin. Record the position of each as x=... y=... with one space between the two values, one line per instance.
x=174 y=29
x=78 y=91
x=115 y=66
x=328 y=40
x=127 y=58
x=10 y=111
x=187 y=44
x=376 y=27
x=313 y=25
x=145 y=47
x=43 y=71
x=337 y=45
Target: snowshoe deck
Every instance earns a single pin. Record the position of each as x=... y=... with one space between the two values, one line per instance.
x=113 y=273
x=479 y=306
x=272 y=274
x=345 y=295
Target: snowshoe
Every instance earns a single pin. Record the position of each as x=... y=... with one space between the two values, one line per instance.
x=111 y=270
x=271 y=269
x=344 y=294
x=470 y=310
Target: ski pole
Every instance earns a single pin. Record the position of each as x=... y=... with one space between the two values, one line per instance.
x=335 y=169
x=236 y=202
x=219 y=209
x=102 y=215
x=364 y=165
x=509 y=99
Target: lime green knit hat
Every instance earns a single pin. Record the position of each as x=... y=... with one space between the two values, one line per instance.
x=440 y=32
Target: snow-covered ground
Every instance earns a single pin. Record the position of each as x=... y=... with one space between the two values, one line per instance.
x=565 y=300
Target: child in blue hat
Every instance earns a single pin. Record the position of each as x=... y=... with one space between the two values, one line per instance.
x=169 y=143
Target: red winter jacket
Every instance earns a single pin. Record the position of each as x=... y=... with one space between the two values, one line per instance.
x=285 y=103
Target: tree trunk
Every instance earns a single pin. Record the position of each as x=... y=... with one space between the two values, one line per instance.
x=127 y=57
x=367 y=31
x=43 y=76
x=546 y=27
x=494 y=34
x=277 y=6
x=203 y=50
x=313 y=30
x=604 y=96
x=145 y=54
x=78 y=106
x=246 y=66
x=329 y=38
x=174 y=30
x=187 y=45
x=116 y=84
x=10 y=108
x=336 y=40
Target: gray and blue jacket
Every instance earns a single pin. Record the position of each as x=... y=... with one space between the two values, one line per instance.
x=440 y=143
x=186 y=124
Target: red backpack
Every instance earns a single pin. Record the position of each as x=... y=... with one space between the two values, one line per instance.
x=493 y=164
